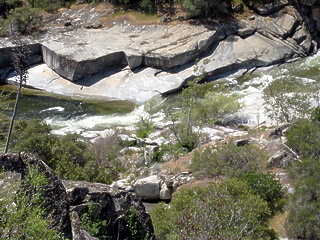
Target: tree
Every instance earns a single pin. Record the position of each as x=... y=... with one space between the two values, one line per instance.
x=285 y=101
x=220 y=211
x=186 y=117
x=20 y=53
x=24 y=19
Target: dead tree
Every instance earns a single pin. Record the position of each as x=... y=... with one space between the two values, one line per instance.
x=20 y=56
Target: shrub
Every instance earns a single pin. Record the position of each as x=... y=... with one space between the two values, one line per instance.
x=218 y=106
x=303 y=221
x=69 y=156
x=22 y=214
x=220 y=211
x=48 y=5
x=268 y=188
x=304 y=138
x=228 y=161
x=206 y=9
x=186 y=117
x=96 y=227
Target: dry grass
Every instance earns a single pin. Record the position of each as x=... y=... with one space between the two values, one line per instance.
x=135 y=18
x=277 y=224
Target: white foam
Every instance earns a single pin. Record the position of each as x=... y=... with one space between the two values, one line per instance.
x=57 y=109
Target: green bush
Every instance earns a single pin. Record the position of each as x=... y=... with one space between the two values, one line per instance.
x=48 y=5
x=304 y=138
x=228 y=161
x=220 y=211
x=268 y=188
x=303 y=221
x=69 y=156
x=216 y=107
x=206 y=9
x=7 y=5
x=89 y=222
x=22 y=214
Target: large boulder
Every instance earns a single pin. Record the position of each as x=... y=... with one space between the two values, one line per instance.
x=148 y=189
x=160 y=187
x=67 y=201
x=110 y=205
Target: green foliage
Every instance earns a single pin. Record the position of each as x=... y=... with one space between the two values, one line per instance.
x=148 y=6
x=186 y=117
x=285 y=102
x=146 y=124
x=7 y=5
x=228 y=160
x=22 y=215
x=135 y=226
x=217 y=106
x=220 y=211
x=96 y=227
x=196 y=108
x=206 y=9
x=304 y=138
x=268 y=188
x=303 y=221
x=23 y=19
x=69 y=156
x=48 y=5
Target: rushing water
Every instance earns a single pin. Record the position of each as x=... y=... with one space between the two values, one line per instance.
x=70 y=115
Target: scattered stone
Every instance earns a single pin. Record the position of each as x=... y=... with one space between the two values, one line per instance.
x=242 y=142
x=279 y=131
x=281 y=160
x=238 y=8
x=67 y=24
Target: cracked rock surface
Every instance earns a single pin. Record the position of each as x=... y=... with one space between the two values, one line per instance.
x=137 y=62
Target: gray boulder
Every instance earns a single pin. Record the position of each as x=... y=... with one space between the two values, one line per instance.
x=66 y=202
x=148 y=189
x=108 y=204
x=281 y=160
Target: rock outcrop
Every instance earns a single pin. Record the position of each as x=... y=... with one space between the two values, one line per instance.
x=160 y=187
x=65 y=201
x=137 y=62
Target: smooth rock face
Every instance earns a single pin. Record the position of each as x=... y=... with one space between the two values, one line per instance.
x=136 y=63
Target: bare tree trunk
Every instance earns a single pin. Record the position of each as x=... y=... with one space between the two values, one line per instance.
x=20 y=54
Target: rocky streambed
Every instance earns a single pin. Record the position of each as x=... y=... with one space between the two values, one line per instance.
x=137 y=62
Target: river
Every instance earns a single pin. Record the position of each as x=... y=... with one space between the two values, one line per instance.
x=66 y=114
